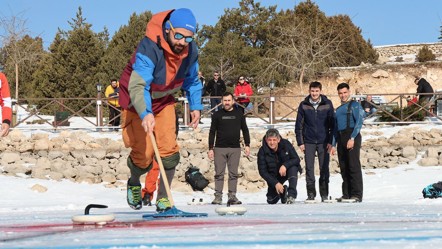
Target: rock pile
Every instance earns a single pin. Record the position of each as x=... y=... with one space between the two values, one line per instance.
x=79 y=157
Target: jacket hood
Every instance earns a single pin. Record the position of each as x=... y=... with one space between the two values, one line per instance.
x=156 y=32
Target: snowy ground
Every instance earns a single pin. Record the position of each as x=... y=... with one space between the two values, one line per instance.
x=393 y=214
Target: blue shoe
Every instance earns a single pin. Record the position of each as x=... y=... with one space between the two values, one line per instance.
x=134 y=196
x=163 y=204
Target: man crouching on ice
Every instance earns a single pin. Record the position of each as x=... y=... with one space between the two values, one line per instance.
x=278 y=162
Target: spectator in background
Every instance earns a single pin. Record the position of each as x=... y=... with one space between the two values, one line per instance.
x=112 y=93
x=423 y=86
x=216 y=88
x=367 y=105
x=5 y=103
x=243 y=91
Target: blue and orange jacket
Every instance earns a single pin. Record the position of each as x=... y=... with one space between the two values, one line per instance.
x=5 y=100
x=155 y=72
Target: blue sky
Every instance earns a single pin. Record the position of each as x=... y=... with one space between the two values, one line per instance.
x=384 y=22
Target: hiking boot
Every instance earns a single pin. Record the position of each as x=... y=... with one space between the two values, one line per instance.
x=324 y=198
x=147 y=200
x=163 y=204
x=134 y=196
x=290 y=200
x=233 y=200
x=218 y=200
x=310 y=197
x=284 y=195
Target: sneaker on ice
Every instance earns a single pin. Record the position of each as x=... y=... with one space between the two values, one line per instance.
x=163 y=204
x=310 y=197
x=134 y=196
x=290 y=200
x=147 y=200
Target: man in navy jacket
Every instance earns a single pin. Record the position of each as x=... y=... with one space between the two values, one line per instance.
x=314 y=132
x=278 y=162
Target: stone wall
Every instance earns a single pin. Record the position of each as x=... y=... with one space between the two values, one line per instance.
x=406 y=49
x=79 y=157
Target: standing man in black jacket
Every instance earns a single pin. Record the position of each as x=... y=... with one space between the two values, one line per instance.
x=215 y=88
x=278 y=162
x=224 y=146
x=314 y=133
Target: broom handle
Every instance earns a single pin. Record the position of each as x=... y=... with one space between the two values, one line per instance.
x=162 y=171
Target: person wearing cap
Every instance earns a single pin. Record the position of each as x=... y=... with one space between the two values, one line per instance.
x=314 y=127
x=165 y=61
x=278 y=162
x=5 y=103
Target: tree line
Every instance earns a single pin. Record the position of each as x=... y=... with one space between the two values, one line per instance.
x=292 y=45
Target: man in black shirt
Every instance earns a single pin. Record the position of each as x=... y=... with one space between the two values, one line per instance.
x=224 y=146
x=215 y=88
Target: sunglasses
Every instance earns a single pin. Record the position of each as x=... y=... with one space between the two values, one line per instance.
x=216 y=75
x=241 y=78
x=180 y=36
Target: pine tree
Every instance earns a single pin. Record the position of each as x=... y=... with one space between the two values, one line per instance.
x=70 y=69
x=425 y=54
x=440 y=37
x=122 y=46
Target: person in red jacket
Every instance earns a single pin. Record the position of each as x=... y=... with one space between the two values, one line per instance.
x=5 y=103
x=243 y=91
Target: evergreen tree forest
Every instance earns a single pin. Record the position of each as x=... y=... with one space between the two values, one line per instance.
x=292 y=45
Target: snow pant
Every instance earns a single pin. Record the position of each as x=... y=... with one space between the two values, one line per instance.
x=114 y=119
x=151 y=181
x=292 y=177
x=229 y=157
x=324 y=172
x=142 y=152
x=350 y=165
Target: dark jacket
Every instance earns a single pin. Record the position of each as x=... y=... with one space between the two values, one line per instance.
x=216 y=88
x=270 y=161
x=315 y=126
x=424 y=87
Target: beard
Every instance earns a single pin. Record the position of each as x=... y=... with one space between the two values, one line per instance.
x=176 y=48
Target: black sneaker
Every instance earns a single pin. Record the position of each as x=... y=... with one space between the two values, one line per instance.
x=284 y=195
x=341 y=198
x=146 y=200
x=310 y=197
x=356 y=199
